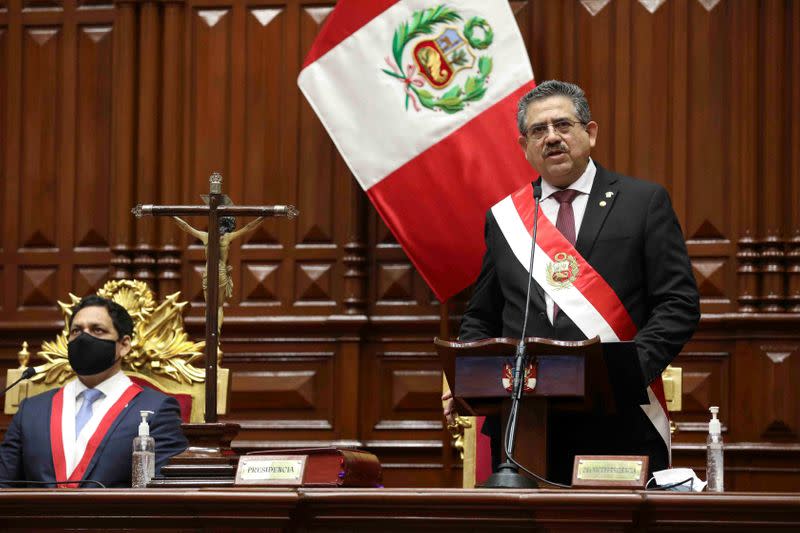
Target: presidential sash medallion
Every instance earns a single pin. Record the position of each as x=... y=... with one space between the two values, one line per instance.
x=562 y=271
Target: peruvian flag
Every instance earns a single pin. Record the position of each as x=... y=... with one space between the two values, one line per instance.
x=420 y=98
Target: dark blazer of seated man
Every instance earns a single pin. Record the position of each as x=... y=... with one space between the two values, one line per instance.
x=85 y=430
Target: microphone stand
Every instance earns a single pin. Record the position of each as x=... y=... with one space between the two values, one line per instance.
x=507 y=475
x=26 y=374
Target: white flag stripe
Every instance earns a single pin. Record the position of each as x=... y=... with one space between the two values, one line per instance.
x=569 y=299
x=365 y=114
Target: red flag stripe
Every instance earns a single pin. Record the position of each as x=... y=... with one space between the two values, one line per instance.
x=471 y=170
x=347 y=18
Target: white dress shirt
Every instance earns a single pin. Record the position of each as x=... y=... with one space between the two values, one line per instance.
x=112 y=389
x=550 y=207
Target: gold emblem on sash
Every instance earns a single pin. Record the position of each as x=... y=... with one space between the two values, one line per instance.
x=562 y=271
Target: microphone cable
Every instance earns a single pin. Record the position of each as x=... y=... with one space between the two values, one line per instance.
x=518 y=380
x=23 y=482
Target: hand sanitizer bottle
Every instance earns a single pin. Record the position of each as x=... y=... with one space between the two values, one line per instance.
x=144 y=454
x=715 y=465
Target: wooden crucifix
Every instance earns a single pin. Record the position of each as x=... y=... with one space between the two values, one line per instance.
x=218 y=205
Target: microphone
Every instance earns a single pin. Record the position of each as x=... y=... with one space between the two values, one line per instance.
x=521 y=358
x=507 y=475
x=26 y=374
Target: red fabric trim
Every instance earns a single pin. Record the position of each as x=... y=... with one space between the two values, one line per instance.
x=483 y=453
x=436 y=203
x=593 y=287
x=657 y=386
x=56 y=441
x=347 y=18
x=184 y=400
x=91 y=447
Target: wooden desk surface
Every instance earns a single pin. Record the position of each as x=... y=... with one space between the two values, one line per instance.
x=412 y=510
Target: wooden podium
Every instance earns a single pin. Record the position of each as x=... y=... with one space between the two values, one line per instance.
x=570 y=375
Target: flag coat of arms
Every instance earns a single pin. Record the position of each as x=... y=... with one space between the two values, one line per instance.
x=420 y=99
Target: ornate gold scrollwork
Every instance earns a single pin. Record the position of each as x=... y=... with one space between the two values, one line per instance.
x=456 y=430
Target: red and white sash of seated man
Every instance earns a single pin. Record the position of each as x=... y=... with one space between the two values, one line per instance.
x=575 y=286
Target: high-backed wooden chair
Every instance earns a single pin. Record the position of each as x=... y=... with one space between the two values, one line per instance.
x=161 y=353
x=465 y=435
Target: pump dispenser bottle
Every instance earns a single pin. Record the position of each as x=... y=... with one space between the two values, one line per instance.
x=144 y=454
x=715 y=466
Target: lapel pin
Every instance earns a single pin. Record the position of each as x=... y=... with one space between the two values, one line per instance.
x=603 y=203
x=609 y=194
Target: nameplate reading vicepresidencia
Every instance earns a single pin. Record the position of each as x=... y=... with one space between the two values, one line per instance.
x=272 y=470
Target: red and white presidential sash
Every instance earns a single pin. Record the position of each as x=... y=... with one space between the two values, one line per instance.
x=57 y=445
x=575 y=286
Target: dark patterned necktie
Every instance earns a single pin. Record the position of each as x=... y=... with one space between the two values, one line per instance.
x=565 y=222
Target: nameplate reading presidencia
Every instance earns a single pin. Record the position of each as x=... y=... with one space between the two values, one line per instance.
x=270 y=470
x=610 y=471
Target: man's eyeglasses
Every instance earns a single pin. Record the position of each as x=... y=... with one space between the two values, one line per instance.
x=539 y=131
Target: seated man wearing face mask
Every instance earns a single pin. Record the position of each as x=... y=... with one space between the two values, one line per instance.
x=85 y=430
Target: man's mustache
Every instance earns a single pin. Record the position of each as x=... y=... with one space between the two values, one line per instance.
x=553 y=148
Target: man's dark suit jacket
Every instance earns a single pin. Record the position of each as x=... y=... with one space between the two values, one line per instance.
x=635 y=243
x=25 y=454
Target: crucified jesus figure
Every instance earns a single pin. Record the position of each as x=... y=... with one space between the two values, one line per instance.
x=226 y=235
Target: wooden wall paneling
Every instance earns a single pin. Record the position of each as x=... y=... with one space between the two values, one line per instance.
x=93 y=138
x=268 y=171
x=523 y=13
x=149 y=63
x=403 y=379
x=744 y=38
x=354 y=261
x=620 y=126
x=42 y=82
x=777 y=368
x=42 y=130
x=65 y=211
x=772 y=171
x=170 y=127
x=284 y=389
x=320 y=168
x=207 y=123
x=708 y=222
x=3 y=126
x=707 y=381
x=347 y=389
x=123 y=124
x=92 y=190
x=793 y=165
x=678 y=108
x=649 y=39
x=10 y=63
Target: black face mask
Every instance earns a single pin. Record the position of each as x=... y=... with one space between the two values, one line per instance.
x=89 y=355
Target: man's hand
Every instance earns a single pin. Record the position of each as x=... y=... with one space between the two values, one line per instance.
x=448 y=408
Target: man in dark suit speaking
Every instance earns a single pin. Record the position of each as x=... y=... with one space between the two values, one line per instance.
x=611 y=261
x=85 y=430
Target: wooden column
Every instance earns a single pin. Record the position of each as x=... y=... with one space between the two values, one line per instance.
x=124 y=140
x=168 y=261
x=744 y=22
x=147 y=139
x=773 y=172
x=793 y=167
x=355 y=258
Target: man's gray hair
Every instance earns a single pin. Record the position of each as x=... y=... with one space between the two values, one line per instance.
x=550 y=88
